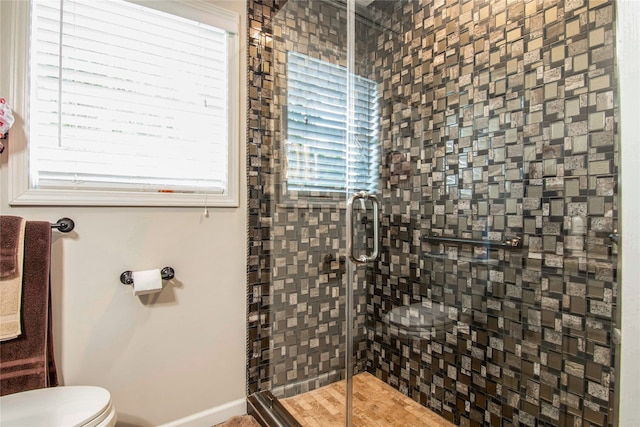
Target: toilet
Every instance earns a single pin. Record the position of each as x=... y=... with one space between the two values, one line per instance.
x=65 y=406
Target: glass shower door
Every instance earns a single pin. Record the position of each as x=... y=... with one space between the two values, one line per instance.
x=495 y=296
x=321 y=147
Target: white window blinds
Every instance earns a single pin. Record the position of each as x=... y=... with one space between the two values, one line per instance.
x=318 y=158
x=127 y=97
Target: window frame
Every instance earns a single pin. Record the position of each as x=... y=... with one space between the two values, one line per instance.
x=313 y=195
x=15 y=23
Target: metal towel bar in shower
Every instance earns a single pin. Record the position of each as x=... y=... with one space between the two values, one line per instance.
x=513 y=243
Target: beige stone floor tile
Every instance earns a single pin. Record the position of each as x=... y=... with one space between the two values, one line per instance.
x=375 y=404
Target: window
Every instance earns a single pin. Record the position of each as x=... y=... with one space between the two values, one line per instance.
x=318 y=156
x=132 y=103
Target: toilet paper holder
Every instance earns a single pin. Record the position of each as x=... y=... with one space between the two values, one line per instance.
x=167 y=273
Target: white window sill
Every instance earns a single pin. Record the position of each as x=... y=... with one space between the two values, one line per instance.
x=50 y=197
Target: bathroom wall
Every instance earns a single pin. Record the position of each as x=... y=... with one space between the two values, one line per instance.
x=162 y=357
x=628 y=44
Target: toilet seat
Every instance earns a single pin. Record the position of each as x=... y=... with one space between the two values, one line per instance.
x=68 y=406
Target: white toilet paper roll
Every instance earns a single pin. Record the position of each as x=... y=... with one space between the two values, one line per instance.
x=146 y=281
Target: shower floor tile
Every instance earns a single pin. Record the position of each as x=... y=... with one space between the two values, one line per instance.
x=375 y=403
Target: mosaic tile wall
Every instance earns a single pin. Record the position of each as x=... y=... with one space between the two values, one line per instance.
x=259 y=134
x=498 y=118
x=502 y=123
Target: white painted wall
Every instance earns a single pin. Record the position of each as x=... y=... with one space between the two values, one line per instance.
x=628 y=43
x=162 y=357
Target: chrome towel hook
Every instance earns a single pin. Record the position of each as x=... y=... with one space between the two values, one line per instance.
x=167 y=273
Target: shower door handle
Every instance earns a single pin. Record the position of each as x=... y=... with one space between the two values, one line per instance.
x=363 y=259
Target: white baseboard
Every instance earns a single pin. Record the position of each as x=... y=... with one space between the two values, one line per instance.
x=211 y=417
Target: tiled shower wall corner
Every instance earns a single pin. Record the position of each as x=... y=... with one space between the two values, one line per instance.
x=497 y=119
x=259 y=135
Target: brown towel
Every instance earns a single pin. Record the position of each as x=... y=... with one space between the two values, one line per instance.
x=27 y=363
x=11 y=235
x=11 y=267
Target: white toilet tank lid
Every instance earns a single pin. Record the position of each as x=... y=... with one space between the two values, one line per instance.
x=66 y=406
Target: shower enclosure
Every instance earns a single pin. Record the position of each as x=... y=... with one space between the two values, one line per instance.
x=432 y=191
